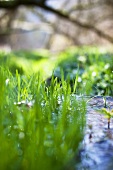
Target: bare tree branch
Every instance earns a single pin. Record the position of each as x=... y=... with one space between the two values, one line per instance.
x=86 y=6
x=61 y=14
x=104 y=18
x=3 y=15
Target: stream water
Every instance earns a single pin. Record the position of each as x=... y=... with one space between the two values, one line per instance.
x=97 y=146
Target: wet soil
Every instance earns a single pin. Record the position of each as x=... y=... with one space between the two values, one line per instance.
x=97 y=146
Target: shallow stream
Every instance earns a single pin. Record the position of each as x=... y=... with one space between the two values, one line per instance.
x=97 y=146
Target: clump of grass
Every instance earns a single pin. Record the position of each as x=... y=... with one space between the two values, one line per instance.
x=45 y=135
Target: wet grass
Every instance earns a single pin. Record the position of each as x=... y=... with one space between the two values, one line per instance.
x=42 y=124
x=40 y=127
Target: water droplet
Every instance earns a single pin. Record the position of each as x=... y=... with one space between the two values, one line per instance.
x=82 y=59
x=79 y=79
x=15 y=126
x=21 y=135
x=9 y=135
x=107 y=66
x=94 y=73
x=7 y=82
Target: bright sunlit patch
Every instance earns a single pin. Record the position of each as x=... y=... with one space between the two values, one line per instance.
x=7 y=82
x=82 y=59
x=94 y=74
x=8 y=0
x=21 y=135
x=79 y=79
x=102 y=50
x=107 y=66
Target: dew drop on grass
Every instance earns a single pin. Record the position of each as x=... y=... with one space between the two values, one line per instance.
x=107 y=66
x=82 y=59
x=21 y=135
x=51 y=122
x=15 y=127
x=48 y=143
x=7 y=82
x=9 y=135
x=94 y=74
x=59 y=101
x=42 y=104
x=78 y=108
x=30 y=104
x=79 y=79
x=11 y=113
x=54 y=116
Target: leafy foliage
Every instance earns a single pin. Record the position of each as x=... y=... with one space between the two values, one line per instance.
x=95 y=70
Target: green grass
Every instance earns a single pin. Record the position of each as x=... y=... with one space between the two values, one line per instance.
x=27 y=62
x=42 y=125
x=43 y=135
x=95 y=69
